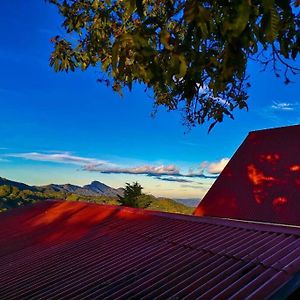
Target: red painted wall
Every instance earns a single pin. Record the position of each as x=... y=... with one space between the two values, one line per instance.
x=262 y=180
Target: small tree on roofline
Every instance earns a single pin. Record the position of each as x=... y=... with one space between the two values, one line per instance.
x=192 y=54
x=133 y=196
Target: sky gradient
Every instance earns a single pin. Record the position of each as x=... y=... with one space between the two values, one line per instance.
x=67 y=128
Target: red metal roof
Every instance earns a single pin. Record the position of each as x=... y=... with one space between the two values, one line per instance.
x=262 y=180
x=56 y=250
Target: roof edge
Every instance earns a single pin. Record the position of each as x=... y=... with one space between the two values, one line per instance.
x=274 y=128
x=250 y=225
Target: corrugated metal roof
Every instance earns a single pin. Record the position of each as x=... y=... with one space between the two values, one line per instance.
x=262 y=180
x=59 y=250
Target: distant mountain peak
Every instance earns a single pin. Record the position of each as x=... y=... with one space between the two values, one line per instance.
x=102 y=189
x=19 y=185
x=97 y=183
x=95 y=188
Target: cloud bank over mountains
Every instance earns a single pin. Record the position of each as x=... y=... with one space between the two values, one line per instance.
x=162 y=172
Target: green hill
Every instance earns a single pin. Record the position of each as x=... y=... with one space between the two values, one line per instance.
x=14 y=194
x=169 y=205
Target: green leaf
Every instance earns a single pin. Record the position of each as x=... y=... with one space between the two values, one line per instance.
x=115 y=55
x=238 y=25
x=272 y=26
x=56 y=65
x=105 y=64
x=211 y=126
x=130 y=6
x=284 y=48
x=140 y=8
x=191 y=11
x=268 y=5
x=165 y=38
x=95 y=4
x=182 y=66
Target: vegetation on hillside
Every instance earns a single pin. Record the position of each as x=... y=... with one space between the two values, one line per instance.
x=133 y=197
x=12 y=197
x=15 y=196
x=170 y=205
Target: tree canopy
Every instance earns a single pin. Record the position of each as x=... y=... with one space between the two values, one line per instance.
x=133 y=196
x=192 y=54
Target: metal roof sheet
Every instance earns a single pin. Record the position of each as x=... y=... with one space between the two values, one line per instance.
x=262 y=180
x=63 y=250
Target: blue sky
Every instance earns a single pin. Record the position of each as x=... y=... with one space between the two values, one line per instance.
x=59 y=128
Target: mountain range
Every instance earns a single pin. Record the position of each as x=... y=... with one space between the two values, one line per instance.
x=95 y=188
x=14 y=194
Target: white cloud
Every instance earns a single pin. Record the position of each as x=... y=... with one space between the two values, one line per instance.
x=174 y=179
x=146 y=170
x=217 y=167
x=209 y=169
x=285 y=106
x=64 y=157
x=165 y=173
x=169 y=172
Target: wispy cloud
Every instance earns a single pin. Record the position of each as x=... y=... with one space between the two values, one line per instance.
x=285 y=106
x=145 y=170
x=159 y=172
x=174 y=179
x=281 y=112
x=171 y=172
x=64 y=157
x=193 y=186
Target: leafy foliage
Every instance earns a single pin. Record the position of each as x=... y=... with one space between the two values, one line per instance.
x=192 y=54
x=133 y=196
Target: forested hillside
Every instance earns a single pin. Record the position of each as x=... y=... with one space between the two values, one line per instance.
x=14 y=194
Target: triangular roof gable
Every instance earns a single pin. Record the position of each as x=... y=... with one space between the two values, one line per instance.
x=262 y=180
